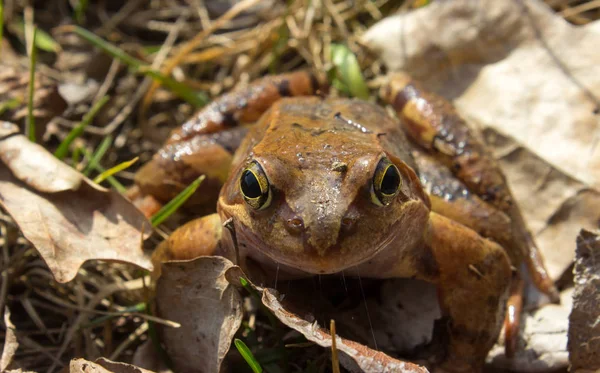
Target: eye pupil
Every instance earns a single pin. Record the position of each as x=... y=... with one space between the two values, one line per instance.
x=390 y=181
x=250 y=185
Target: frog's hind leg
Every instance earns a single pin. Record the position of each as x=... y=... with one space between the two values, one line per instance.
x=176 y=165
x=433 y=123
x=205 y=144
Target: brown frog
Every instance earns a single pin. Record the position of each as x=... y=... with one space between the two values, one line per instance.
x=328 y=185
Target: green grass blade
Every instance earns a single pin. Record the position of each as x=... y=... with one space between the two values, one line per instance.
x=98 y=154
x=347 y=72
x=80 y=9
x=180 y=89
x=42 y=39
x=113 y=170
x=76 y=156
x=111 y=180
x=247 y=355
x=107 y=47
x=63 y=148
x=168 y=209
x=30 y=122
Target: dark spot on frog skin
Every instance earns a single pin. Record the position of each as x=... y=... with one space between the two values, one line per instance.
x=229 y=119
x=283 y=87
x=425 y=262
x=406 y=94
x=314 y=85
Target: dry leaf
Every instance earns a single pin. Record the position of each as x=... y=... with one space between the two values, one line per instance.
x=35 y=166
x=520 y=71
x=10 y=342
x=584 y=326
x=353 y=356
x=103 y=366
x=197 y=295
x=554 y=205
x=145 y=356
x=72 y=220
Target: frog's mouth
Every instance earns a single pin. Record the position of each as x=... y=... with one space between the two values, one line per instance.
x=335 y=260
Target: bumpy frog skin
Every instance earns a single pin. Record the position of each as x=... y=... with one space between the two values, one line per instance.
x=328 y=185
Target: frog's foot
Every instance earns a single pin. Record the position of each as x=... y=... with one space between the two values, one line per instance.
x=473 y=280
x=433 y=123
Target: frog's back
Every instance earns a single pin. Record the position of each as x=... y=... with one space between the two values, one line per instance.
x=311 y=126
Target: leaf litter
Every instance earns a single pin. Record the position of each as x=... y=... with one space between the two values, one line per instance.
x=225 y=55
x=68 y=218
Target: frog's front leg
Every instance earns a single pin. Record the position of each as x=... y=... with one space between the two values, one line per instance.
x=473 y=277
x=199 y=237
x=205 y=144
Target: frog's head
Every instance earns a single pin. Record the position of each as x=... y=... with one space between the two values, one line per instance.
x=316 y=195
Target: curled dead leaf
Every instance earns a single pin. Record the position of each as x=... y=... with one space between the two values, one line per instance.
x=10 y=342
x=584 y=321
x=197 y=295
x=67 y=218
x=103 y=366
x=353 y=356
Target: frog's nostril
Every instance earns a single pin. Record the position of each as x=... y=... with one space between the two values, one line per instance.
x=348 y=224
x=295 y=225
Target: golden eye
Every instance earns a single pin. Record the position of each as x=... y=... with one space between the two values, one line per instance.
x=255 y=186
x=386 y=183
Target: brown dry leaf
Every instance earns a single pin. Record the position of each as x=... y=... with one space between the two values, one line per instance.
x=353 y=356
x=145 y=356
x=197 y=295
x=33 y=165
x=10 y=342
x=103 y=366
x=584 y=321
x=521 y=72
x=71 y=220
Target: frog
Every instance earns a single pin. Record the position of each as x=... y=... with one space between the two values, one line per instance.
x=333 y=185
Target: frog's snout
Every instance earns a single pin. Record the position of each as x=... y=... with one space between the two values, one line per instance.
x=321 y=236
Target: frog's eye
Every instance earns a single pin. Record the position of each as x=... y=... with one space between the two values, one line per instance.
x=386 y=182
x=255 y=186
